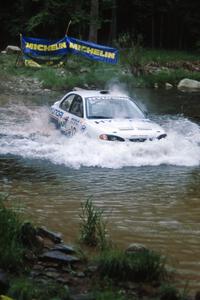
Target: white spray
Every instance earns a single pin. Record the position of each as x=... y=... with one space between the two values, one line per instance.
x=27 y=132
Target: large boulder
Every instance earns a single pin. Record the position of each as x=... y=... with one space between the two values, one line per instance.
x=53 y=236
x=59 y=257
x=168 y=86
x=189 y=84
x=135 y=248
x=12 y=50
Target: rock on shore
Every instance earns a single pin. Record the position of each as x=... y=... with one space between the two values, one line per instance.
x=188 y=84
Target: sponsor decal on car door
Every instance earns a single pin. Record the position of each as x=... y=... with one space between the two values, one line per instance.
x=75 y=114
x=64 y=123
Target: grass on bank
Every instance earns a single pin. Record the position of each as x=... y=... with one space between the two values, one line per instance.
x=168 y=291
x=85 y=73
x=28 y=289
x=173 y=77
x=118 y=266
x=11 y=246
x=109 y=294
x=166 y=56
x=79 y=71
x=113 y=266
x=93 y=231
x=139 y=266
x=143 y=266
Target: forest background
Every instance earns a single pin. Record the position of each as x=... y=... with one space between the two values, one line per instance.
x=166 y=24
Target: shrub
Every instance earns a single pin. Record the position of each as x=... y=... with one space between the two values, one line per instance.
x=93 y=227
x=143 y=266
x=50 y=78
x=133 y=57
x=108 y=295
x=171 y=76
x=170 y=292
x=27 y=289
x=11 y=249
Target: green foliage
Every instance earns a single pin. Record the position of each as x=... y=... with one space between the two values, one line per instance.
x=168 y=67
x=90 y=218
x=9 y=68
x=27 y=289
x=124 y=41
x=49 y=18
x=166 y=56
x=51 y=79
x=77 y=72
x=11 y=249
x=198 y=46
x=168 y=291
x=108 y=295
x=93 y=227
x=148 y=66
x=43 y=22
x=143 y=266
x=133 y=57
x=83 y=72
x=35 y=21
x=171 y=76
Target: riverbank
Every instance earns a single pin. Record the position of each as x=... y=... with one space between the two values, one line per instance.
x=155 y=69
x=35 y=263
x=31 y=89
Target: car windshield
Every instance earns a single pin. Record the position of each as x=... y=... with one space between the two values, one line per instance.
x=112 y=108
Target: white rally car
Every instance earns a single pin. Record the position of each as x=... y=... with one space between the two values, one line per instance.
x=103 y=115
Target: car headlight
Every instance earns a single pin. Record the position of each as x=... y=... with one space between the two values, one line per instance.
x=110 y=137
x=162 y=136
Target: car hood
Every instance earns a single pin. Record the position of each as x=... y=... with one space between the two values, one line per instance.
x=127 y=127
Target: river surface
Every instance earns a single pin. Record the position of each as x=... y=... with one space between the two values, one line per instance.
x=150 y=192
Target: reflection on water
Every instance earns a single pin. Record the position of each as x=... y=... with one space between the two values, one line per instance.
x=149 y=191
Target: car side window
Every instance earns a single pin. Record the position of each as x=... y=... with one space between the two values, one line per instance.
x=77 y=107
x=65 y=104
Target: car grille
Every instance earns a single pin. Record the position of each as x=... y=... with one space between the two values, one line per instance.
x=137 y=140
x=141 y=139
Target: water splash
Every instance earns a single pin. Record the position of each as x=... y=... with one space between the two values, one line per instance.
x=26 y=131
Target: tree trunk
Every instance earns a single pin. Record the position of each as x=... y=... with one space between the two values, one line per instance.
x=113 y=25
x=94 y=15
x=161 y=31
x=152 y=31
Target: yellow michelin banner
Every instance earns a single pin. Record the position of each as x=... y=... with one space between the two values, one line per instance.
x=37 y=51
x=93 y=51
x=41 y=51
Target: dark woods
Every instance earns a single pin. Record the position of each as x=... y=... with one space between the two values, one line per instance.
x=172 y=24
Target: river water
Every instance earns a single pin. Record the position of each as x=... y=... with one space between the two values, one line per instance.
x=150 y=192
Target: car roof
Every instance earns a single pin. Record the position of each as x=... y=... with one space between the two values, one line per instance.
x=99 y=93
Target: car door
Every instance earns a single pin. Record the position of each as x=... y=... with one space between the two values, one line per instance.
x=74 y=116
x=64 y=119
